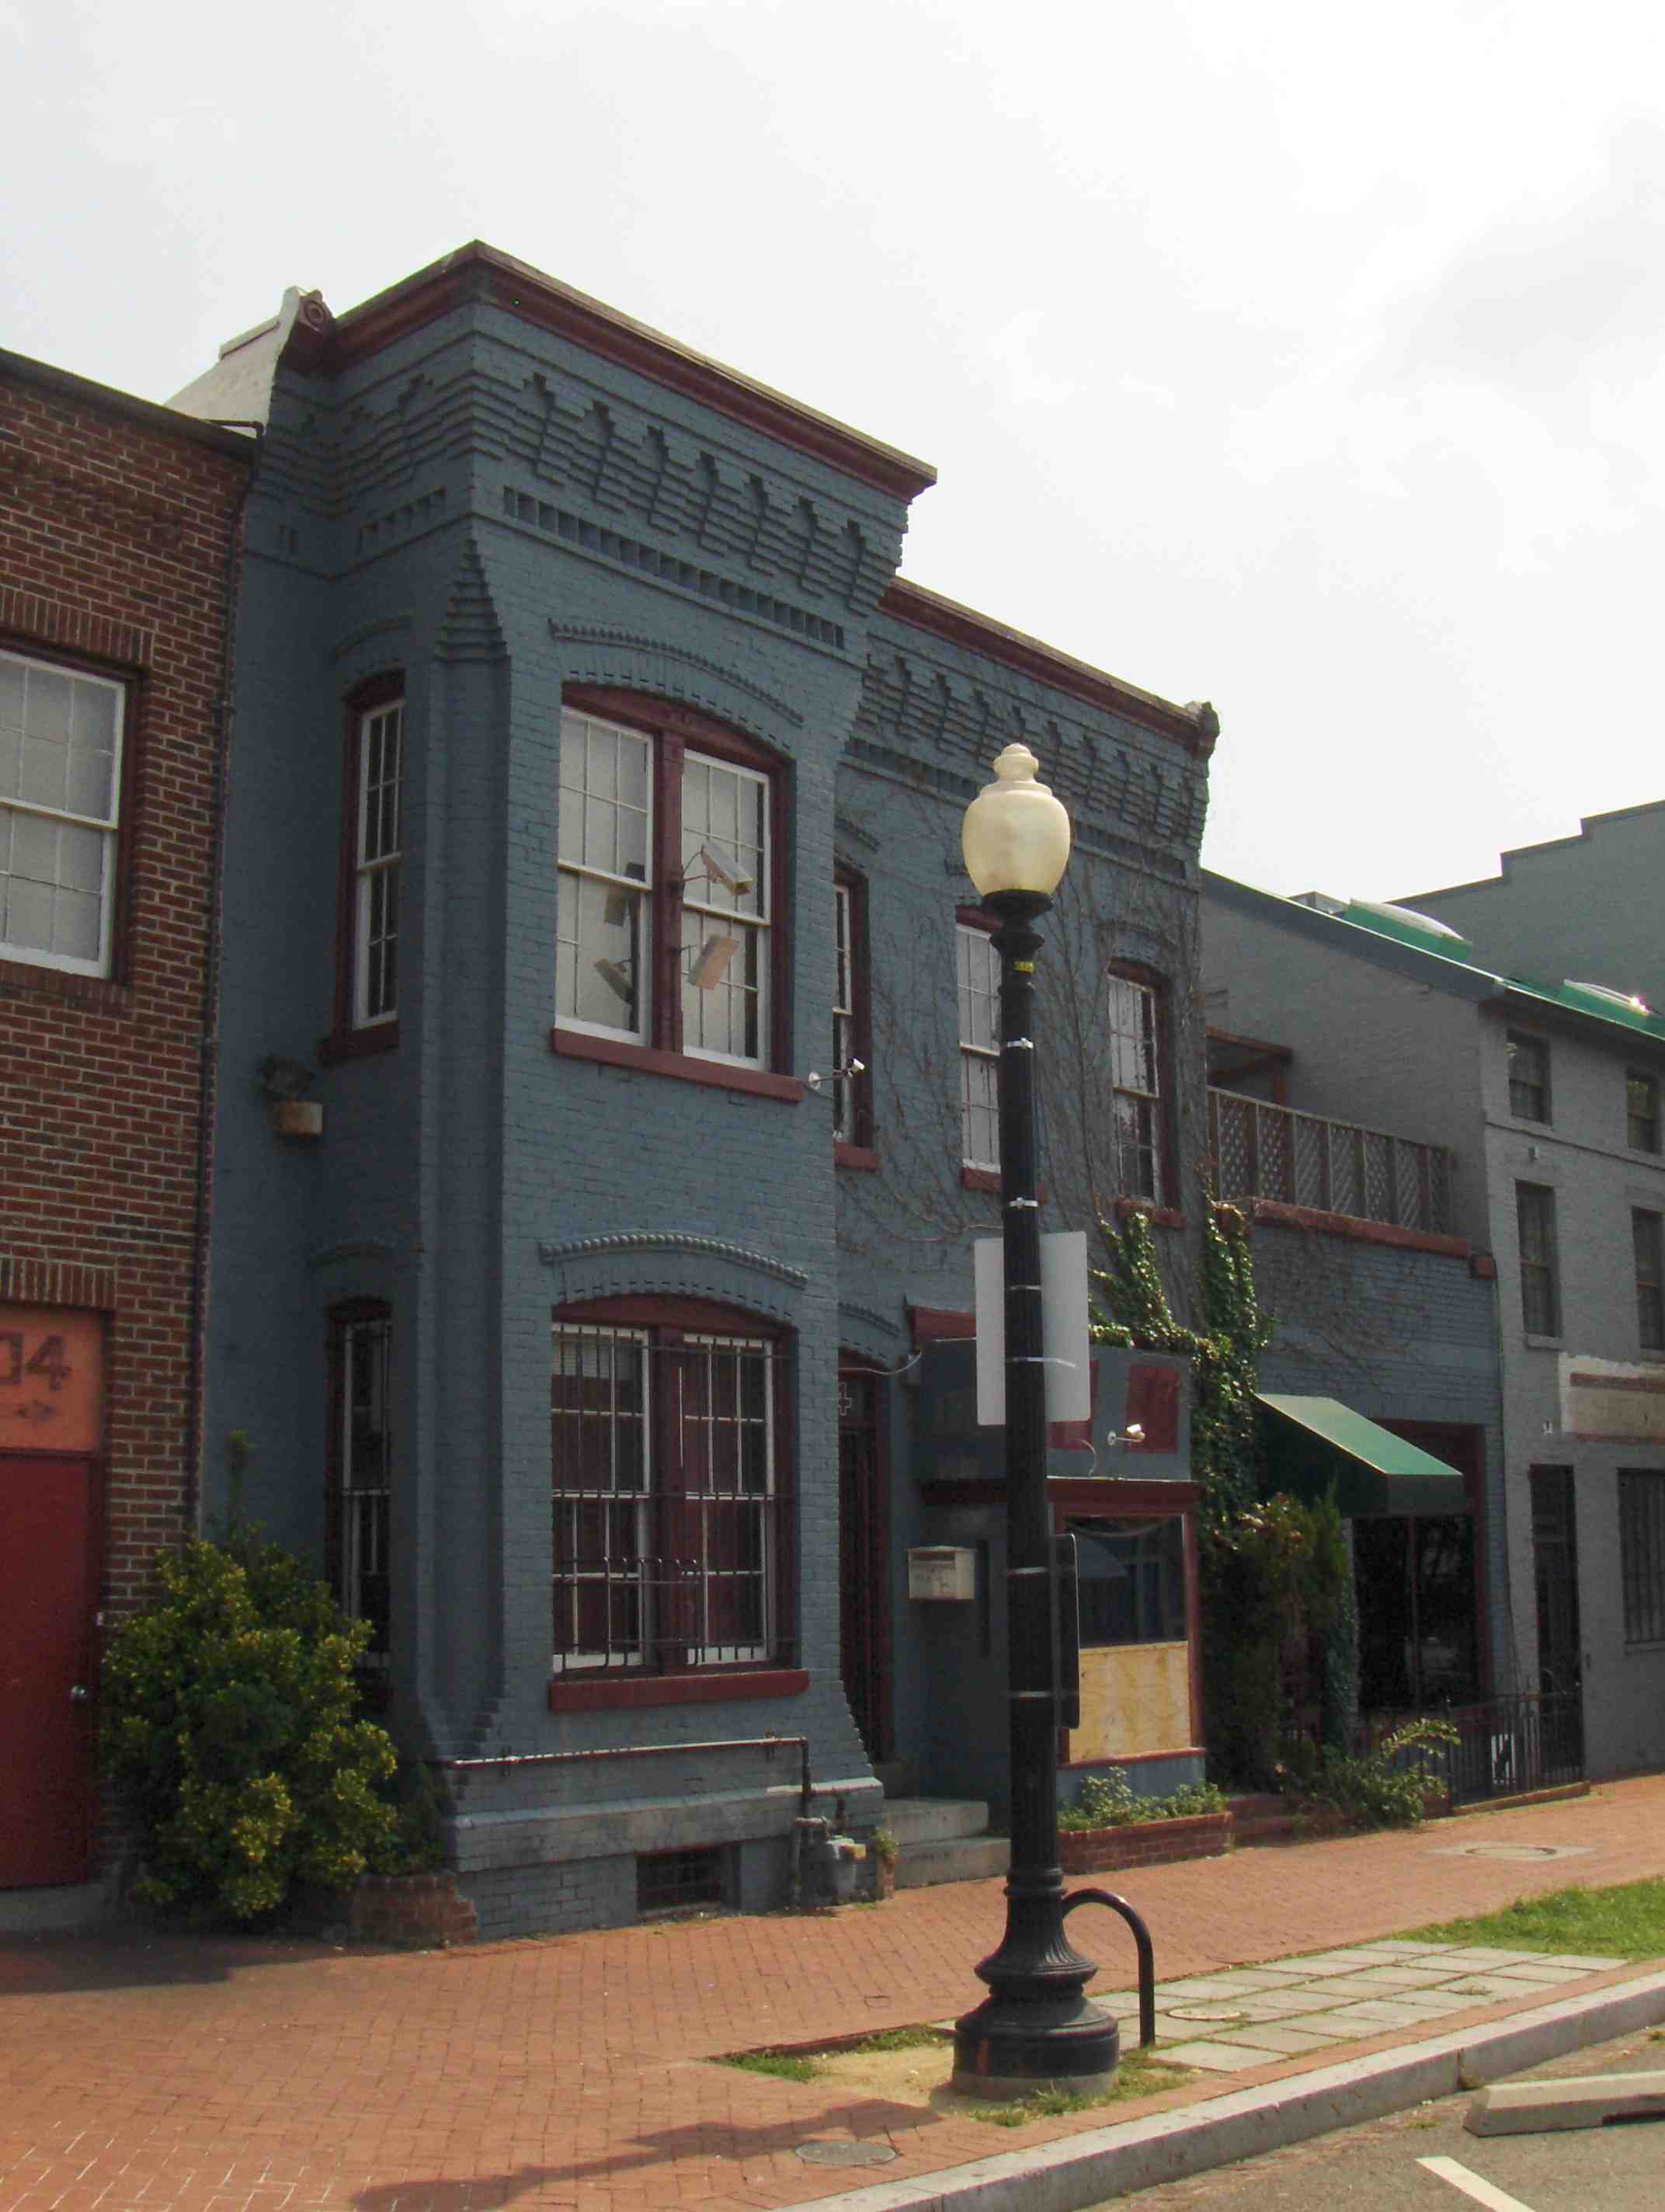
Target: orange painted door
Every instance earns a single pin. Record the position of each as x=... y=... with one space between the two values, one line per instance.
x=47 y=1594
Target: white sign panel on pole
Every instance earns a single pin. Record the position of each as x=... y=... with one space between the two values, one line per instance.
x=1063 y=1326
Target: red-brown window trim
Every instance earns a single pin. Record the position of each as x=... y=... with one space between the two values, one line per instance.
x=1163 y=1210
x=665 y=1319
x=673 y=727
x=344 y=1041
x=130 y=799
x=858 y=1149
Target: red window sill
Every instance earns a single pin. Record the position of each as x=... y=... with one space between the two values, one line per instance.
x=610 y=1693
x=357 y=1044
x=650 y=1060
x=1159 y=1216
x=861 y=1156
x=1277 y=1212
x=980 y=1179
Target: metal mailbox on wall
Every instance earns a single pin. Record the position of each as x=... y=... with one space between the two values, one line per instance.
x=942 y=1570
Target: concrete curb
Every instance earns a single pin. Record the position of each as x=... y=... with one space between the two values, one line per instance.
x=1082 y=2170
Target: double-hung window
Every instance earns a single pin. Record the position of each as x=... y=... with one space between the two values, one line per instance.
x=1135 y=1020
x=851 y=1116
x=60 y=792
x=665 y=928
x=377 y=835
x=667 y=1496
x=1649 y=1243
x=1541 y=1296
x=1641 y=1110
x=1528 y=1076
x=979 y=973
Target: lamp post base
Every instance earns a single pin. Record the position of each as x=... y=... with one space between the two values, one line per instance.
x=1007 y=2049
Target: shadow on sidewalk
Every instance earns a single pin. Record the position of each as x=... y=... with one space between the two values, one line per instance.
x=708 y=2139
x=133 y=1959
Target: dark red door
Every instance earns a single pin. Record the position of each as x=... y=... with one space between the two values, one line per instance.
x=47 y=1592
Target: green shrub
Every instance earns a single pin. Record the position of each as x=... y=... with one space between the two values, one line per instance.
x=228 y=1716
x=1109 y=1801
x=1386 y=1788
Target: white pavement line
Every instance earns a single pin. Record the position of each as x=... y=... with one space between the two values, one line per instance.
x=1495 y=2200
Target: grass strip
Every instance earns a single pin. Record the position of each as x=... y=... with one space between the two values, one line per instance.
x=1626 y=1921
x=1138 y=2075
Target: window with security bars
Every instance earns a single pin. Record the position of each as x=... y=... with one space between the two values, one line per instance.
x=377 y=845
x=1641 y=1111
x=667 y=1498
x=979 y=973
x=1135 y=1022
x=1648 y=1241
x=1528 y=1076
x=361 y=1462
x=1642 y=1553
x=678 y=1882
x=60 y=792
x=1541 y=1296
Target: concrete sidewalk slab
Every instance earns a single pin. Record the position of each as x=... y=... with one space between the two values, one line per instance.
x=167 y=2074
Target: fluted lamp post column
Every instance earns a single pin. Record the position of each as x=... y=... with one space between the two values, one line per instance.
x=1036 y=2027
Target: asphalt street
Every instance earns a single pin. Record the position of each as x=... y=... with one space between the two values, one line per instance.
x=1425 y=2161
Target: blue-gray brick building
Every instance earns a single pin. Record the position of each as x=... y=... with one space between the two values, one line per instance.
x=606 y=1098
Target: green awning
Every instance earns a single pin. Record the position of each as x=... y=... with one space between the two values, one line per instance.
x=1315 y=1444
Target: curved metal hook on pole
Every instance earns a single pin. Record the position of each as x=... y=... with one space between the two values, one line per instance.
x=1148 y=1971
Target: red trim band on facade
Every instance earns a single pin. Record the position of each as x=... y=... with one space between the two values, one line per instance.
x=357 y=1044
x=861 y=1156
x=650 y=1060
x=941 y=1325
x=1132 y=1758
x=1274 y=1212
x=1580 y=1380
x=608 y=1693
x=1159 y=1216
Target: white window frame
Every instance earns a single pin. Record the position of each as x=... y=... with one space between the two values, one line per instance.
x=14 y=807
x=583 y=870
x=1134 y=1011
x=719 y=911
x=576 y=1659
x=978 y=972
x=843 y=1011
x=378 y=846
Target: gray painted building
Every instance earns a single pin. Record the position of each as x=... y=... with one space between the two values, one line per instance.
x=1545 y=1101
x=1593 y=905
x=594 y=808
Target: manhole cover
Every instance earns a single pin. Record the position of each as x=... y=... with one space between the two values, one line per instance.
x=846 y=2154
x=1204 y=2012
x=1516 y=1854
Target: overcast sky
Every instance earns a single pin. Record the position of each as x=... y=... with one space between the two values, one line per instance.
x=1302 y=357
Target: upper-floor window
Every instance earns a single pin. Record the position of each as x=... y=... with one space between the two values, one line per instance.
x=979 y=992
x=1135 y=1022
x=664 y=925
x=851 y=1120
x=1648 y=1244
x=60 y=797
x=668 y=1492
x=1641 y=1110
x=377 y=840
x=1528 y=1076
x=360 y=1491
x=1540 y=1294
x=1131 y=1579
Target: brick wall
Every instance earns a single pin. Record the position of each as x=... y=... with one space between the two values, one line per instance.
x=114 y=531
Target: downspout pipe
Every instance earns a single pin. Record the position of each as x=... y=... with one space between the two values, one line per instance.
x=208 y=1053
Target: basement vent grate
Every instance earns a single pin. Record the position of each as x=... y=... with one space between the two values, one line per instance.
x=672 y=1881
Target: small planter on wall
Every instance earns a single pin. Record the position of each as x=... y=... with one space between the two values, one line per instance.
x=410 y=1908
x=1144 y=1843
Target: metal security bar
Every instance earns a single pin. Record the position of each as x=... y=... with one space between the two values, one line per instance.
x=1506 y=1747
x=1257 y=1150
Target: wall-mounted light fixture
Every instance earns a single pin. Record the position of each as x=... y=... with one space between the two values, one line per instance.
x=283 y=1081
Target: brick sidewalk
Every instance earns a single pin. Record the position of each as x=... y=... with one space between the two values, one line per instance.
x=162 y=2074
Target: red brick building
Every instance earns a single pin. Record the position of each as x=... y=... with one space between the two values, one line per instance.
x=119 y=524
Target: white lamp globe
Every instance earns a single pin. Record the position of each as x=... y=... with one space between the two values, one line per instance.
x=1016 y=834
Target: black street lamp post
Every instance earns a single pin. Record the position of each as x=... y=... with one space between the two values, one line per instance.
x=1036 y=2027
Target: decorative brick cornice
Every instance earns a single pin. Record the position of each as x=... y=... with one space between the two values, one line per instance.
x=704 y=1248
x=26 y=1282
x=72 y=629
x=639 y=655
